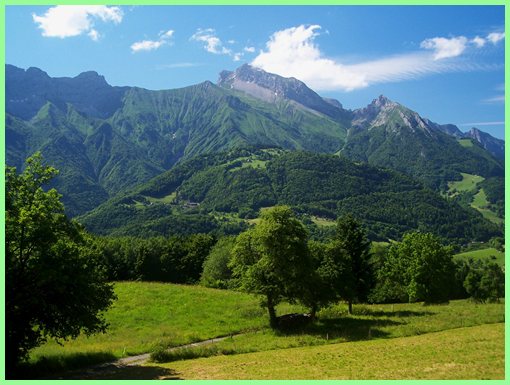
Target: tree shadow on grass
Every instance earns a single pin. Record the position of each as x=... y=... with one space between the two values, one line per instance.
x=346 y=328
x=121 y=372
x=398 y=313
x=45 y=366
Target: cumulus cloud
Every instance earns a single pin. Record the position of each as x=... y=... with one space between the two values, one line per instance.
x=213 y=43
x=249 y=49
x=478 y=41
x=445 y=48
x=64 y=21
x=292 y=52
x=151 y=45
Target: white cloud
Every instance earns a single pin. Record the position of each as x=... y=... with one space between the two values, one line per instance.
x=151 y=45
x=72 y=20
x=494 y=37
x=249 y=49
x=293 y=53
x=478 y=41
x=94 y=35
x=495 y=100
x=445 y=48
x=237 y=56
x=213 y=43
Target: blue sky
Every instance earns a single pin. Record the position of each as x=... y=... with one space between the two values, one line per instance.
x=445 y=62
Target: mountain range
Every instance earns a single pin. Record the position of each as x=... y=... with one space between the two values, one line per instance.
x=108 y=140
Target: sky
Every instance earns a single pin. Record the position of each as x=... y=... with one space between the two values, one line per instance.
x=444 y=62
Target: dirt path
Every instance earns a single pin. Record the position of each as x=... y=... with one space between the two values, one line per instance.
x=129 y=367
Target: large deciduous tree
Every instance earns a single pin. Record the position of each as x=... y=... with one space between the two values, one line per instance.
x=419 y=268
x=272 y=259
x=55 y=287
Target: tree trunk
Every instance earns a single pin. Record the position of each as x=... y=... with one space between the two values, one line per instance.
x=350 y=307
x=313 y=312
x=273 y=322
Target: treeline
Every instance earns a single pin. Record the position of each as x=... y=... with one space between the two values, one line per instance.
x=343 y=263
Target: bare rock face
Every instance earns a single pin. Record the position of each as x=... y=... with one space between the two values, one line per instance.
x=272 y=88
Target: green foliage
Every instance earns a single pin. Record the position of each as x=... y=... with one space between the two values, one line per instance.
x=485 y=280
x=216 y=272
x=55 y=285
x=177 y=259
x=417 y=269
x=325 y=186
x=272 y=259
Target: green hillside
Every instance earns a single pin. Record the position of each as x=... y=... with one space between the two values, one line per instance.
x=222 y=192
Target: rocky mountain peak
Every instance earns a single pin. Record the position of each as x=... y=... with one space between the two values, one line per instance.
x=272 y=87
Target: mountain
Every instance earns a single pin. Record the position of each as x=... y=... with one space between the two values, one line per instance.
x=107 y=140
x=388 y=134
x=495 y=146
x=124 y=136
x=221 y=192
x=272 y=88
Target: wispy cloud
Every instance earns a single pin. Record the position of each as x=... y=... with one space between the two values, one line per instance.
x=64 y=21
x=293 y=52
x=213 y=44
x=499 y=99
x=475 y=124
x=151 y=45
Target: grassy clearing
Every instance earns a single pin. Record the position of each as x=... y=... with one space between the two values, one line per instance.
x=465 y=353
x=465 y=142
x=481 y=203
x=168 y=199
x=484 y=253
x=323 y=221
x=147 y=315
x=468 y=183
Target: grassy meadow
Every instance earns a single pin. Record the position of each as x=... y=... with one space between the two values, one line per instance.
x=150 y=317
x=483 y=253
x=462 y=353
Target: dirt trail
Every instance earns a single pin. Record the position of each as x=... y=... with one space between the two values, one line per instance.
x=128 y=367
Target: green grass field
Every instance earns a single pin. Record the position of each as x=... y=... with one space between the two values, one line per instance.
x=152 y=316
x=465 y=142
x=468 y=183
x=483 y=253
x=466 y=353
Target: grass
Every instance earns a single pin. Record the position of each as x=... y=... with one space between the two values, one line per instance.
x=150 y=317
x=464 y=353
x=368 y=322
x=465 y=143
x=483 y=253
x=168 y=199
x=468 y=183
x=323 y=221
x=481 y=203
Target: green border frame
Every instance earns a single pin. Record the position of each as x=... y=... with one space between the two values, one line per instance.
x=4 y=3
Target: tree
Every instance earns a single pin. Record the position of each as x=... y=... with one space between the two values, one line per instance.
x=419 y=268
x=55 y=287
x=272 y=259
x=485 y=280
x=216 y=272
x=352 y=240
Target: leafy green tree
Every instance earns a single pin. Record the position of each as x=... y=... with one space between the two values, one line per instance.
x=351 y=239
x=419 y=268
x=216 y=272
x=330 y=278
x=272 y=259
x=485 y=280
x=55 y=287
